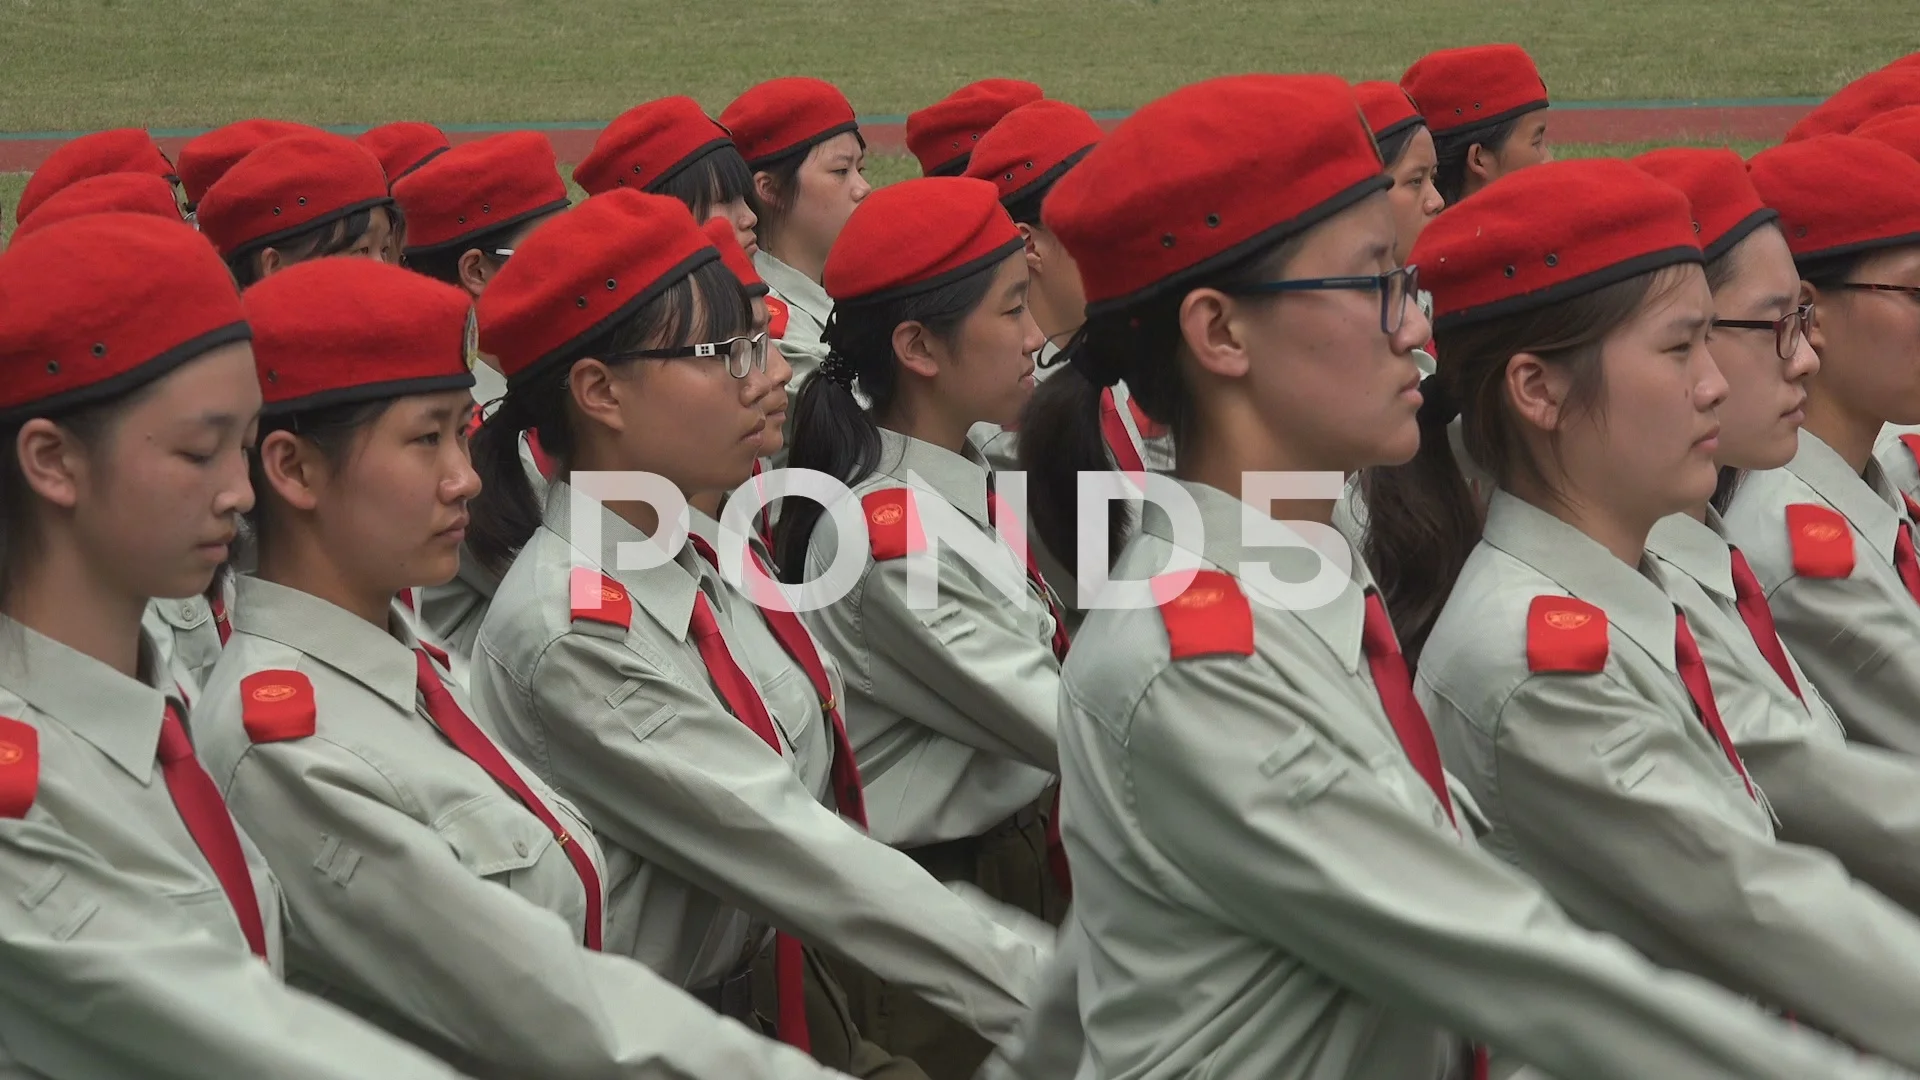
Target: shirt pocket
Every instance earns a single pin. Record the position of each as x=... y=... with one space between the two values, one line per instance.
x=496 y=837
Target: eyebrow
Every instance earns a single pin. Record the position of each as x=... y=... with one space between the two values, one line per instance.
x=1019 y=289
x=1691 y=323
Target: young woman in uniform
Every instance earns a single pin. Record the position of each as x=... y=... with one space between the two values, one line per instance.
x=102 y=153
x=301 y=197
x=433 y=884
x=698 y=747
x=1830 y=537
x=1898 y=448
x=944 y=134
x=1486 y=108
x=1268 y=869
x=1568 y=691
x=670 y=147
x=1406 y=145
x=142 y=934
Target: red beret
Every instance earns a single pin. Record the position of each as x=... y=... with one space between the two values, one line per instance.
x=290 y=185
x=1550 y=233
x=122 y=150
x=206 y=158
x=720 y=234
x=481 y=187
x=1726 y=208
x=581 y=272
x=1209 y=174
x=918 y=235
x=403 y=146
x=650 y=144
x=785 y=116
x=944 y=133
x=1874 y=208
x=97 y=306
x=1859 y=101
x=133 y=193
x=1389 y=109
x=1898 y=128
x=338 y=331
x=1458 y=90
x=1033 y=146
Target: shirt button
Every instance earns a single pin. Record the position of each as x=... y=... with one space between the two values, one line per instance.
x=192 y=611
x=520 y=846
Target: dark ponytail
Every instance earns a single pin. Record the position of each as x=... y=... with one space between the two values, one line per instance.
x=1450 y=155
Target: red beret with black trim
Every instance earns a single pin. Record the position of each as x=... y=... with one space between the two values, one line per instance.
x=1858 y=102
x=404 y=146
x=917 y=235
x=720 y=233
x=1875 y=207
x=1726 y=207
x=478 y=188
x=1388 y=107
x=1458 y=90
x=650 y=144
x=784 y=116
x=1898 y=128
x=1550 y=233
x=582 y=271
x=122 y=150
x=1210 y=174
x=288 y=186
x=130 y=193
x=338 y=331
x=207 y=157
x=1033 y=146
x=98 y=306
x=943 y=134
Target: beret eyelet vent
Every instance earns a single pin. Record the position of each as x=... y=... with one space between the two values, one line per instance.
x=1213 y=221
x=1552 y=259
x=1510 y=271
x=301 y=201
x=53 y=367
x=612 y=284
x=1167 y=241
x=580 y=302
x=99 y=348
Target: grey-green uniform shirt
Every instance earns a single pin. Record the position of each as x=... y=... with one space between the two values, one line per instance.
x=424 y=895
x=951 y=709
x=184 y=636
x=119 y=951
x=1858 y=636
x=808 y=308
x=1608 y=789
x=1269 y=889
x=710 y=834
x=1902 y=468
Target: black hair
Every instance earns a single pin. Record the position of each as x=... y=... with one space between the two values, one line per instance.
x=1450 y=152
x=703 y=306
x=718 y=177
x=783 y=172
x=1394 y=146
x=330 y=429
x=442 y=263
x=832 y=433
x=334 y=237
x=1825 y=272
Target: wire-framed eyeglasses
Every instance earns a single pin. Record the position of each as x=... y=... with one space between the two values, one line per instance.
x=1789 y=330
x=1395 y=287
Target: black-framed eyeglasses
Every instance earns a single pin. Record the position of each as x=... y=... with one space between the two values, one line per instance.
x=742 y=354
x=1912 y=292
x=1395 y=287
x=1789 y=330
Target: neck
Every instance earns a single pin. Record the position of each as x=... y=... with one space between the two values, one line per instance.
x=788 y=249
x=917 y=418
x=62 y=598
x=1698 y=511
x=1626 y=538
x=299 y=561
x=1224 y=464
x=1851 y=434
x=707 y=502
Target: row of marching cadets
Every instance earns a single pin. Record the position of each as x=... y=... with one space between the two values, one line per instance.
x=335 y=740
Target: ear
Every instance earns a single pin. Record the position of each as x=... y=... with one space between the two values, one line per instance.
x=1209 y=326
x=294 y=470
x=1482 y=163
x=52 y=461
x=1816 y=329
x=764 y=189
x=1536 y=390
x=915 y=348
x=271 y=262
x=475 y=270
x=1032 y=248
x=596 y=390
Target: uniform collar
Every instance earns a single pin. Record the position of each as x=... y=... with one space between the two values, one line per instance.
x=1228 y=522
x=1579 y=564
x=794 y=287
x=666 y=592
x=1696 y=549
x=1870 y=503
x=961 y=479
x=382 y=661
x=121 y=717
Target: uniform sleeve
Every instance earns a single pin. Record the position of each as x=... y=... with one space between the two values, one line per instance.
x=1288 y=837
x=476 y=964
x=1052 y=1040
x=967 y=671
x=667 y=773
x=1860 y=651
x=1606 y=795
x=101 y=977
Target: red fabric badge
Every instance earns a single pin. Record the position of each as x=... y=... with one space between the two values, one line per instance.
x=777 y=315
x=598 y=598
x=1822 y=541
x=1564 y=634
x=893 y=524
x=1210 y=617
x=277 y=705
x=19 y=767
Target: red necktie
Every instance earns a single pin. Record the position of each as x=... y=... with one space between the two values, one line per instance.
x=1903 y=554
x=205 y=815
x=1693 y=672
x=1394 y=684
x=467 y=738
x=217 y=603
x=1119 y=439
x=1755 y=612
x=789 y=962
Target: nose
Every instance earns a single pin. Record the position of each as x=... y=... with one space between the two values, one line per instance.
x=1033 y=339
x=1434 y=202
x=1415 y=329
x=778 y=369
x=1710 y=387
x=861 y=189
x=236 y=487
x=462 y=482
x=746 y=219
x=1804 y=363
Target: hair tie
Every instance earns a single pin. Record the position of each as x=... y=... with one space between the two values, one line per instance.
x=839 y=369
x=1437 y=406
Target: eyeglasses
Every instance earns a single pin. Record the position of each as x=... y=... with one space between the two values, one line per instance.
x=500 y=254
x=1394 y=286
x=1788 y=331
x=1912 y=292
x=743 y=354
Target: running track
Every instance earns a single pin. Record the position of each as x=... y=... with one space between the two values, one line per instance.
x=1762 y=120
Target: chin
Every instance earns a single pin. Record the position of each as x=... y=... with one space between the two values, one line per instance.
x=1399 y=449
x=437 y=568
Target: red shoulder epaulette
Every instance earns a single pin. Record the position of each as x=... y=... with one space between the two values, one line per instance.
x=598 y=598
x=1209 y=617
x=19 y=767
x=1822 y=541
x=893 y=524
x=777 y=315
x=277 y=705
x=1565 y=634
